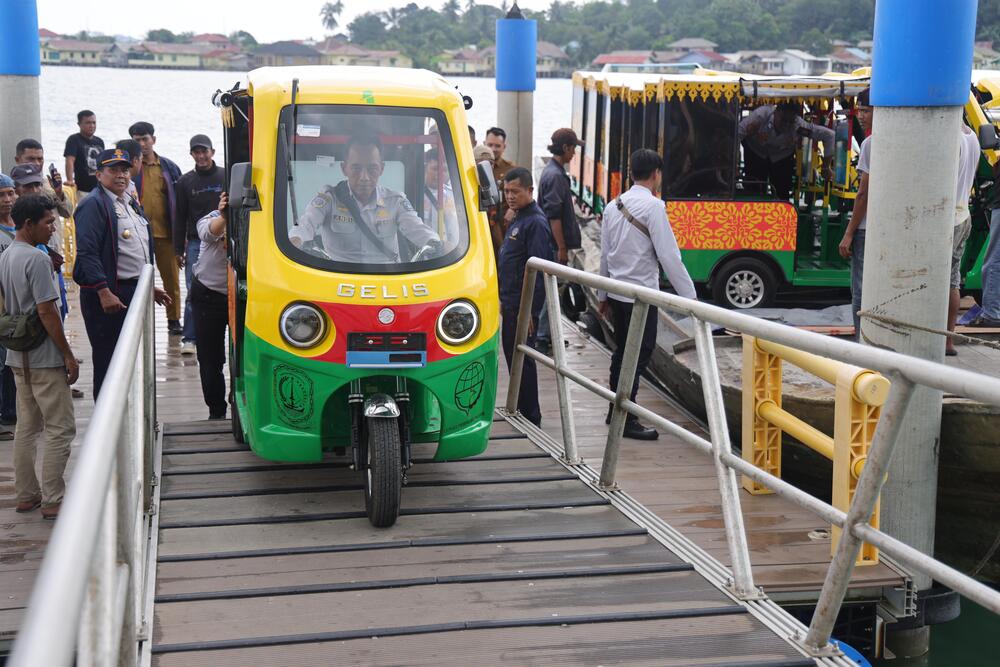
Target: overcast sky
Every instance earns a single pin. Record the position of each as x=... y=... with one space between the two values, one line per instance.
x=267 y=20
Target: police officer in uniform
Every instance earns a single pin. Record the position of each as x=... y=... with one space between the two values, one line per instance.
x=114 y=243
x=333 y=214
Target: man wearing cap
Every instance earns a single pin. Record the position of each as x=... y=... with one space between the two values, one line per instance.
x=155 y=184
x=556 y=200
x=28 y=180
x=114 y=242
x=197 y=194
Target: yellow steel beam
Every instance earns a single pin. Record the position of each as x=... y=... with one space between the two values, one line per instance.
x=867 y=386
x=795 y=427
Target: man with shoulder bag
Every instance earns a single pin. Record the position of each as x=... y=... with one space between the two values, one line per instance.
x=37 y=350
x=636 y=240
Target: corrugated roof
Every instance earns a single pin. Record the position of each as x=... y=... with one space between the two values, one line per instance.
x=693 y=43
x=77 y=45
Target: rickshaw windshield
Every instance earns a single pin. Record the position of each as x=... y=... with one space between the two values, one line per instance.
x=368 y=189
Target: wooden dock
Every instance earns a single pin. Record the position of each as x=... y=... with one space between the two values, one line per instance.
x=505 y=557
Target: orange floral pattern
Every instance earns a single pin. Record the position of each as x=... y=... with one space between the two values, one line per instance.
x=722 y=225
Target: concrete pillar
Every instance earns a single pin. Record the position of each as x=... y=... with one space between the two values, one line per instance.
x=917 y=94
x=20 y=67
x=517 y=40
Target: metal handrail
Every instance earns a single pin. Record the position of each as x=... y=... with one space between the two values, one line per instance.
x=87 y=599
x=903 y=371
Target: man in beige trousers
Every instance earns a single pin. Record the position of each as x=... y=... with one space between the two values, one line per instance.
x=44 y=374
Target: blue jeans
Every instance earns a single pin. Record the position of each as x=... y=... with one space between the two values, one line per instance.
x=857 y=273
x=991 y=270
x=193 y=250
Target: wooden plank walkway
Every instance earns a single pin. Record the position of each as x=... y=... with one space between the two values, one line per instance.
x=264 y=563
x=234 y=527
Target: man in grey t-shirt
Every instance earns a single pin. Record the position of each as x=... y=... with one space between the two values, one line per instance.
x=43 y=375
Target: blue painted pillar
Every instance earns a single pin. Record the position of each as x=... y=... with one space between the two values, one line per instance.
x=20 y=67
x=517 y=40
x=921 y=73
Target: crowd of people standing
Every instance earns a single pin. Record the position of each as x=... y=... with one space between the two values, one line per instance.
x=131 y=207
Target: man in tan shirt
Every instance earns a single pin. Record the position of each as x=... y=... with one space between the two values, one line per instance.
x=155 y=185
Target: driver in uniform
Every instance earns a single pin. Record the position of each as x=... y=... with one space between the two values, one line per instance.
x=384 y=213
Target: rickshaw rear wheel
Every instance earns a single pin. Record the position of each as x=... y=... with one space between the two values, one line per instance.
x=744 y=282
x=383 y=472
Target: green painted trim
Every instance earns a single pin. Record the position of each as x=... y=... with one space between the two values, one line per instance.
x=702 y=263
x=313 y=417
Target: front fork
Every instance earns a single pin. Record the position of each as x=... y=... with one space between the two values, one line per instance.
x=356 y=407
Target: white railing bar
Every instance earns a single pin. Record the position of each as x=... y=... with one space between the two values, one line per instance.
x=49 y=631
x=559 y=354
x=838 y=575
x=573 y=375
x=732 y=512
x=919 y=371
x=626 y=378
x=905 y=372
x=917 y=560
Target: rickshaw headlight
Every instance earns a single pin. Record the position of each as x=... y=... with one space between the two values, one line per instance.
x=458 y=322
x=302 y=325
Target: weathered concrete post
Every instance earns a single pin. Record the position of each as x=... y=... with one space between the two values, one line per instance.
x=20 y=67
x=517 y=39
x=918 y=96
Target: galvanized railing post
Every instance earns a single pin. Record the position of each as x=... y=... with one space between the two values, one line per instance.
x=148 y=352
x=732 y=512
x=130 y=513
x=570 y=454
x=626 y=378
x=838 y=576
x=520 y=338
x=94 y=636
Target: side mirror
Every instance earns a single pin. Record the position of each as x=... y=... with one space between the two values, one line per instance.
x=242 y=192
x=988 y=138
x=489 y=192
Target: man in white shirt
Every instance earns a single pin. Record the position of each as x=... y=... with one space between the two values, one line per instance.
x=852 y=245
x=968 y=162
x=636 y=240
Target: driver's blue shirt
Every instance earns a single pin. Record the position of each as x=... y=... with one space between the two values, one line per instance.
x=529 y=235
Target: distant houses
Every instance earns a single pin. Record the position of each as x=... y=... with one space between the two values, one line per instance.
x=552 y=61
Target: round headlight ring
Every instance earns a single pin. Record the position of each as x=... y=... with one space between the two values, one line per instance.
x=454 y=309
x=294 y=316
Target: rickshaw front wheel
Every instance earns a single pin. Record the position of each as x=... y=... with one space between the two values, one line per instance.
x=383 y=471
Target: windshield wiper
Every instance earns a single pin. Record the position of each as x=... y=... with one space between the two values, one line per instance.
x=290 y=152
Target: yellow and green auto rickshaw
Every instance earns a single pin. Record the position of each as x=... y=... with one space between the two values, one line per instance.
x=363 y=298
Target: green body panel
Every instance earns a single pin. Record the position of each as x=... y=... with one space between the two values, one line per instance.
x=701 y=263
x=451 y=401
x=972 y=260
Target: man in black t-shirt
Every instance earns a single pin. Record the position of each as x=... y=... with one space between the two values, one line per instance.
x=81 y=153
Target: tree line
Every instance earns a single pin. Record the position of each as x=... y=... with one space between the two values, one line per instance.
x=587 y=29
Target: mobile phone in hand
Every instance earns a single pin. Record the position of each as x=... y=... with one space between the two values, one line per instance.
x=52 y=170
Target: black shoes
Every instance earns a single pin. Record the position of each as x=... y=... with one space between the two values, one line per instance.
x=634 y=429
x=637 y=431
x=174 y=328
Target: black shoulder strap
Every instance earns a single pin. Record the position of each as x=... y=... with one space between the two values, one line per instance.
x=345 y=197
x=628 y=216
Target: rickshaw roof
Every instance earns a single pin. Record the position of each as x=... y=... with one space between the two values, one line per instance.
x=345 y=82
x=714 y=84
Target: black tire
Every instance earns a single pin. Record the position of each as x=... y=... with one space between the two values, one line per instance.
x=237 y=424
x=745 y=282
x=383 y=471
